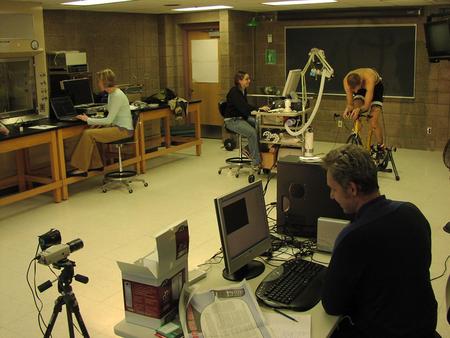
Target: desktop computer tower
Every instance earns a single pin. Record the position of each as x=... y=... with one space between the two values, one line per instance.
x=302 y=197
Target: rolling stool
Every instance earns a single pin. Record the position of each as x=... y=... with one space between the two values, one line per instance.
x=124 y=177
x=240 y=161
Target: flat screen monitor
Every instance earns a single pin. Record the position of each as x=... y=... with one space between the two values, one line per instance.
x=438 y=39
x=63 y=106
x=244 y=231
x=290 y=87
x=79 y=91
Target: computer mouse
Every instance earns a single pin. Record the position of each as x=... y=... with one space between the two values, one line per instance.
x=447 y=227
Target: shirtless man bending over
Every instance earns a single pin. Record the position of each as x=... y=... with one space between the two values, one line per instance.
x=364 y=91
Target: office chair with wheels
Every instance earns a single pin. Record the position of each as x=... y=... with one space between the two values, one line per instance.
x=121 y=176
x=240 y=161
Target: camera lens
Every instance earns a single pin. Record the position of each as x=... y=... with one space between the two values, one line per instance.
x=75 y=244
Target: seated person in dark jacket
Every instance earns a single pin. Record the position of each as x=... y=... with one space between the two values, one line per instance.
x=238 y=115
x=378 y=278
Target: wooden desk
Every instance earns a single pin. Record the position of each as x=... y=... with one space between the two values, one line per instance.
x=185 y=142
x=55 y=138
x=19 y=143
x=322 y=324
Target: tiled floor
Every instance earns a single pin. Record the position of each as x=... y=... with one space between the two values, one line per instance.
x=118 y=226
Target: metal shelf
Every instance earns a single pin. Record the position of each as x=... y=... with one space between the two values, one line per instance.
x=273 y=126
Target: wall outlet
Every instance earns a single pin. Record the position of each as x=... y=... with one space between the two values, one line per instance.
x=429 y=130
x=339 y=123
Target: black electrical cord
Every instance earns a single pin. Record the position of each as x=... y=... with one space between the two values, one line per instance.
x=38 y=307
x=215 y=259
x=443 y=273
x=269 y=177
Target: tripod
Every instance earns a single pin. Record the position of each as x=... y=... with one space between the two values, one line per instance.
x=67 y=298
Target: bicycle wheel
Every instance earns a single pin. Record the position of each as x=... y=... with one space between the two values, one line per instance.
x=354 y=139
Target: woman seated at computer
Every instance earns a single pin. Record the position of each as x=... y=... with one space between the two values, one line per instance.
x=117 y=125
x=238 y=116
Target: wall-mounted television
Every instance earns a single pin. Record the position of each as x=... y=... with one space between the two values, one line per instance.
x=437 y=34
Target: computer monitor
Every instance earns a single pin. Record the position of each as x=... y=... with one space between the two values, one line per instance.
x=290 y=87
x=62 y=106
x=244 y=231
x=302 y=197
x=79 y=91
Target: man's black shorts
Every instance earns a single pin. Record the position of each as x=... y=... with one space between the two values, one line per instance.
x=377 y=95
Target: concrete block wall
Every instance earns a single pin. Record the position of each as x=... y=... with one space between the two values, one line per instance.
x=241 y=47
x=126 y=43
x=406 y=119
x=171 y=35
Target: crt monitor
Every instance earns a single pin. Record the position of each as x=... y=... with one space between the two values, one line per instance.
x=79 y=91
x=290 y=87
x=244 y=231
x=438 y=39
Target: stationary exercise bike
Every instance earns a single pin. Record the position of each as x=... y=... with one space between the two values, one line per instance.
x=381 y=157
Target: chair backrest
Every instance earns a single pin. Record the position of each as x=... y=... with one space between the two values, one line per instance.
x=222 y=107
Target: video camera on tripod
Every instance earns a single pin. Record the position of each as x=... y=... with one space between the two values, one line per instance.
x=55 y=253
x=52 y=249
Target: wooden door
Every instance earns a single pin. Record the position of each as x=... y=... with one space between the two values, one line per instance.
x=203 y=75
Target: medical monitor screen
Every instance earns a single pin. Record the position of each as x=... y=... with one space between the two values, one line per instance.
x=292 y=81
x=438 y=39
x=244 y=230
x=79 y=91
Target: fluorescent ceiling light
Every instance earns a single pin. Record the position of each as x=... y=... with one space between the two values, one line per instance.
x=92 y=2
x=202 y=8
x=297 y=2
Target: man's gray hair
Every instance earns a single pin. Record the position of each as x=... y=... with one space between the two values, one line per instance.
x=351 y=163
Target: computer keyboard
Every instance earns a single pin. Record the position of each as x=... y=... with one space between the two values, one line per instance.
x=296 y=284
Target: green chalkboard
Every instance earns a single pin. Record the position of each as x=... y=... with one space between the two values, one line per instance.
x=391 y=50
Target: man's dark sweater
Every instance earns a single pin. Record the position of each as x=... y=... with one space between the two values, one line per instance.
x=237 y=105
x=379 y=273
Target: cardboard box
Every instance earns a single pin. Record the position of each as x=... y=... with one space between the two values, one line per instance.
x=152 y=285
x=268 y=159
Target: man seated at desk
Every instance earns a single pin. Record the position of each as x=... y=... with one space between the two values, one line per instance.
x=378 y=278
x=117 y=125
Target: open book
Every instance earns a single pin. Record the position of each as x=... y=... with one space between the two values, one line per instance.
x=230 y=312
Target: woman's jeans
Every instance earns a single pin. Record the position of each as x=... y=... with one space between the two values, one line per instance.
x=247 y=129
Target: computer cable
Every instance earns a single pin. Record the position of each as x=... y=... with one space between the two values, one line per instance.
x=215 y=259
x=443 y=273
x=34 y=293
x=269 y=177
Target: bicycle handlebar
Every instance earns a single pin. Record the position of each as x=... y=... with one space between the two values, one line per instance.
x=364 y=114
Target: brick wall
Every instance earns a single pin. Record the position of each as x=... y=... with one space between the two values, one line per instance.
x=126 y=43
x=406 y=119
